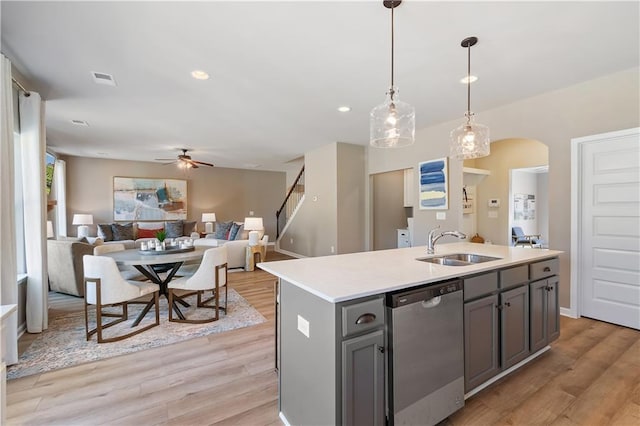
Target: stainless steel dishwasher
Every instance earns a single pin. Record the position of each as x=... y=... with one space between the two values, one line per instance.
x=426 y=353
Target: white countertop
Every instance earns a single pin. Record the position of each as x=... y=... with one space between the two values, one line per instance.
x=350 y=276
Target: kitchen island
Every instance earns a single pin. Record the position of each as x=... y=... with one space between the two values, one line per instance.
x=333 y=322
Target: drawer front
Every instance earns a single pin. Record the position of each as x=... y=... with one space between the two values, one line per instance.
x=544 y=269
x=362 y=316
x=480 y=285
x=514 y=276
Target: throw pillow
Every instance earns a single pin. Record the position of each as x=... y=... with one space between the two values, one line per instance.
x=233 y=232
x=174 y=229
x=188 y=227
x=122 y=231
x=222 y=229
x=105 y=231
x=148 y=233
x=242 y=234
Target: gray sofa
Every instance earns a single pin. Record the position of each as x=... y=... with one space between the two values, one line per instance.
x=64 y=260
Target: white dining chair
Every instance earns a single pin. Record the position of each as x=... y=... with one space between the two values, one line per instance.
x=128 y=272
x=104 y=286
x=211 y=275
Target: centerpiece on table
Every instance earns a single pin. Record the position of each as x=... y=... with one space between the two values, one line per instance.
x=160 y=236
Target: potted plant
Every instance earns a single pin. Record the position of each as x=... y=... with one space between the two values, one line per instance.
x=160 y=236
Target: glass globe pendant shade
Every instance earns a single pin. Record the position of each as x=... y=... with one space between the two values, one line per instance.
x=392 y=124
x=470 y=140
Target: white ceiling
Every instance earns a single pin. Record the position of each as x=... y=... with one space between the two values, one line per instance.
x=279 y=70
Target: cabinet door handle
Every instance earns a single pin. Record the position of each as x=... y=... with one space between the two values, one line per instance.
x=548 y=288
x=381 y=349
x=546 y=269
x=365 y=318
x=507 y=304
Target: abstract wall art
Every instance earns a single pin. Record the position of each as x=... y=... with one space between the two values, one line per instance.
x=434 y=192
x=143 y=199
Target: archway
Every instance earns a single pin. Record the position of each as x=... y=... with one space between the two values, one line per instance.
x=489 y=179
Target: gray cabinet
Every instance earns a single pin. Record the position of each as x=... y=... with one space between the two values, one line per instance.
x=481 y=341
x=545 y=313
x=514 y=326
x=363 y=380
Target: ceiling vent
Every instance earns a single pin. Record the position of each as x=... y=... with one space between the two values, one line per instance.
x=80 y=123
x=103 y=78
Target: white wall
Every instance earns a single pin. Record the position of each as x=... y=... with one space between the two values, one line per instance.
x=601 y=105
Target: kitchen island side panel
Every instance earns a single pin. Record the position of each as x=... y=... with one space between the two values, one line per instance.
x=308 y=380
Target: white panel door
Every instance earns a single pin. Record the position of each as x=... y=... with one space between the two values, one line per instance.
x=609 y=225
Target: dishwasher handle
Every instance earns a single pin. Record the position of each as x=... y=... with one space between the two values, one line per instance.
x=366 y=318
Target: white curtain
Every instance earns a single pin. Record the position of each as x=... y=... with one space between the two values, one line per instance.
x=32 y=143
x=8 y=268
x=60 y=195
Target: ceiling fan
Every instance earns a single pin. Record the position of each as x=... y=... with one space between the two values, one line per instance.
x=185 y=161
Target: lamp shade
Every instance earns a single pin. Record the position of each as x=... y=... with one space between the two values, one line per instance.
x=82 y=219
x=208 y=217
x=253 y=224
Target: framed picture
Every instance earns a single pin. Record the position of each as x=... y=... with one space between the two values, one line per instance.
x=149 y=199
x=434 y=181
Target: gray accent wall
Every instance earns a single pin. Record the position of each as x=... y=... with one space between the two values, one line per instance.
x=388 y=209
x=230 y=193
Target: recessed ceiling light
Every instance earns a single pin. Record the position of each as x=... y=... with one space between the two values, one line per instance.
x=199 y=75
x=80 y=123
x=470 y=79
x=344 y=108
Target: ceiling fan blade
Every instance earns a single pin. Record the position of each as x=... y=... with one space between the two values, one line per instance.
x=202 y=162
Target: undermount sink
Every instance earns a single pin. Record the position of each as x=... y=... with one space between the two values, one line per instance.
x=458 y=259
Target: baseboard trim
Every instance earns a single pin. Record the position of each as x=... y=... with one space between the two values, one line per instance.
x=290 y=253
x=568 y=312
x=283 y=418
x=506 y=372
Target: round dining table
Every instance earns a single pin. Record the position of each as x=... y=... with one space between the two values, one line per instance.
x=152 y=263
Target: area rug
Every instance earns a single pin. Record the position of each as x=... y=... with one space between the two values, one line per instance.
x=64 y=344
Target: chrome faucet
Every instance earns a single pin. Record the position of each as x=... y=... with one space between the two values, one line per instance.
x=431 y=240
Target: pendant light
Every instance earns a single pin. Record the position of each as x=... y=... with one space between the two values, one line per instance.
x=393 y=123
x=470 y=140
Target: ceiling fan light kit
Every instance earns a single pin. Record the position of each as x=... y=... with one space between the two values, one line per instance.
x=184 y=161
x=392 y=123
x=470 y=140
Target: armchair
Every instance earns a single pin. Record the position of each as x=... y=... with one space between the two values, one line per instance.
x=518 y=237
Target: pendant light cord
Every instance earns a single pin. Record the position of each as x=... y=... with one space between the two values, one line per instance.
x=392 y=44
x=468 y=82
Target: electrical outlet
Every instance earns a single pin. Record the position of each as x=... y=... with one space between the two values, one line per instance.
x=251 y=213
x=303 y=326
x=441 y=216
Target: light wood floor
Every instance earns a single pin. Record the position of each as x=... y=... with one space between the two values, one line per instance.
x=591 y=376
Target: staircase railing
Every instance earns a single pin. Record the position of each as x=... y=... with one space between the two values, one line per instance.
x=291 y=201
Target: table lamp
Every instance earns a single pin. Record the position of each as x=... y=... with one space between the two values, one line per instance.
x=253 y=225
x=83 y=220
x=208 y=219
